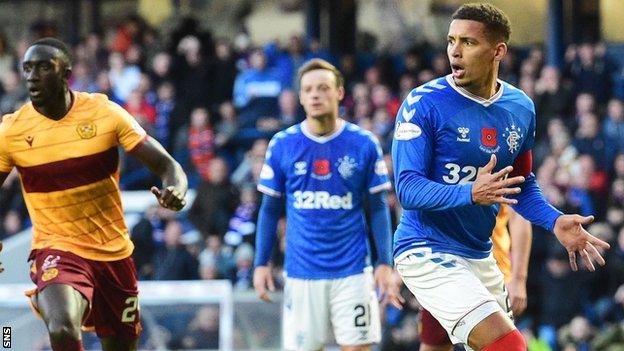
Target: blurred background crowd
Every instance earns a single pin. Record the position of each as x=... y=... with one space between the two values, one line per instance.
x=215 y=102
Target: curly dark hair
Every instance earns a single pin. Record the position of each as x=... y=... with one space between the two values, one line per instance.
x=495 y=20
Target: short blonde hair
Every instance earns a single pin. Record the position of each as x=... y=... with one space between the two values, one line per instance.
x=317 y=63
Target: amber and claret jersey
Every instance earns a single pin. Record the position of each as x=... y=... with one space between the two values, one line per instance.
x=70 y=174
x=501 y=242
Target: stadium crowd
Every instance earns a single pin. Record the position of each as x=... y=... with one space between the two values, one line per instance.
x=215 y=102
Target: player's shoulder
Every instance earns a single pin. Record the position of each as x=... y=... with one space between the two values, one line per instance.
x=86 y=101
x=426 y=98
x=359 y=134
x=24 y=113
x=290 y=134
x=517 y=96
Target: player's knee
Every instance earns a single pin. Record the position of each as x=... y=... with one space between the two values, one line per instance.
x=63 y=329
x=512 y=341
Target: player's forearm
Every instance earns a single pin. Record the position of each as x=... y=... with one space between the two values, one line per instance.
x=381 y=226
x=521 y=236
x=416 y=192
x=266 y=233
x=174 y=175
x=533 y=206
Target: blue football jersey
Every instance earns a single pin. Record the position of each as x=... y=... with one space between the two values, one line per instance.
x=445 y=134
x=325 y=181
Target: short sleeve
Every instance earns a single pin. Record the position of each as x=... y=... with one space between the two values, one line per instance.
x=129 y=131
x=6 y=163
x=272 y=177
x=377 y=170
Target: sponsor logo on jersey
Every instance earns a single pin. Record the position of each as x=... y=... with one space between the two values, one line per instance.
x=50 y=261
x=49 y=274
x=513 y=136
x=463 y=134
x=301 y=168
x=489 y=142
x=267 y=172
x=346 y=165
x=407 y=131
x=29 y=140
x=316 y=200
x=320 y=170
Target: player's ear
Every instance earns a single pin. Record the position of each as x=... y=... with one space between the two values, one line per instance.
x=500 y=51
x=67 y=71
x=341 y=93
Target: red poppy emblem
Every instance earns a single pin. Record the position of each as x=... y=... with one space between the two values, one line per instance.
x=488 y=137
x=321 y=167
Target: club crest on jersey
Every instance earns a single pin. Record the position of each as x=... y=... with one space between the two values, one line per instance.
x=489 y=142
x=512 y=137
x=320 y=170
x=301 y=168
x=463 y=134
x=346 y=165
x=86 y=130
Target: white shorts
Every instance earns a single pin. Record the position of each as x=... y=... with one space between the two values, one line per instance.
x=314 y=308
x=459 y=292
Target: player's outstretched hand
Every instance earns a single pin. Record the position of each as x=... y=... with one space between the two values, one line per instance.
x=1 y=268
x=389 y=290
x=170 y=197
x=571 y=234
x=490 y=188
x=517 y=295
x=262 y=279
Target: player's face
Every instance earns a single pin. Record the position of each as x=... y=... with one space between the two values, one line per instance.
x=472 y=54
x=46 y=74
x=319 y=93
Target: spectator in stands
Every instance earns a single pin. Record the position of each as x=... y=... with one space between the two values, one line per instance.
x=14 y=95
x=201 y=142
x=242 y=225
x=243 y=175
x=224 y=72
x=215 y=259
x=7 y=58
x=166 y=114
x=289 y=113
x=589 y=140
x=589 y=72
x=147 y=237
x=160 y=68
x=124 y=78
x=243 y=273
x=81 y=79
x=553 y=98
x=256 y=90
x=141 y=109
x=190 y=74
x=215 y=201
x=202 y=332
x=613 y=126
x=173 y=261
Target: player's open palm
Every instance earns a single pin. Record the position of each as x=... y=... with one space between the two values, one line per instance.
x=389 y=290
x=571 y=234
x=490 y=188
x=263 y=282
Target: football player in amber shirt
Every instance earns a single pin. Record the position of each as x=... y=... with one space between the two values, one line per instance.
x=65 y=146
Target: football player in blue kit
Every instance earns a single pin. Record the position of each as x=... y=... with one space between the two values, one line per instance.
x=462 y=146
x=324 y=169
